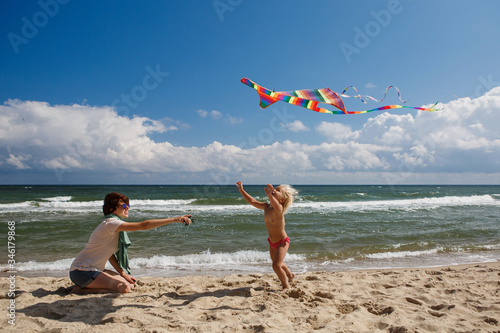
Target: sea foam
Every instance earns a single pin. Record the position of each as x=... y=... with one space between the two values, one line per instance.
x=65 y=204
x=205 y=259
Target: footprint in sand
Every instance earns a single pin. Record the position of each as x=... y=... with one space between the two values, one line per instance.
x=442 y=306
x=346 y=308
x=414 y=301
x=377 y=309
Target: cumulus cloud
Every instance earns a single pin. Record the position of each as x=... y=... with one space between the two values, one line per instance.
x=173 y=125
x=212 y=114
x=38 y=135
x=296 y=126
x=234 y=120
x=215 y=115
x=336 y=132
x=389 y=148
x=464 y=136
x=18 y=161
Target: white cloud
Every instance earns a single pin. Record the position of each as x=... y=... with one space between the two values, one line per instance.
x=296 y=126
x=336 y=132
x=173 y=125
x=215 y=115
x=212 y=114
x=417 y=147
x=234 y=120
x=73 y=136
x=202 y=113
x=18 y=161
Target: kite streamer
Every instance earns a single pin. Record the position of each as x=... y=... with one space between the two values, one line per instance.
x=310 y=99
x=373 y=99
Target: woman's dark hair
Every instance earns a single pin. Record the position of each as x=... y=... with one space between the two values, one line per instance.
x=111 y=202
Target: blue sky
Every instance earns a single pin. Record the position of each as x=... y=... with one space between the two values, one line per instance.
x=149 y=92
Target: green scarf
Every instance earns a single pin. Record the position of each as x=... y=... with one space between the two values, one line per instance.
x=123 y=244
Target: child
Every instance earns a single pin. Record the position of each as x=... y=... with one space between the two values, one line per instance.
x=280 y=199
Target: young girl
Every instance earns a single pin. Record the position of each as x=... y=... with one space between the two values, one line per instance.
x=280 y=199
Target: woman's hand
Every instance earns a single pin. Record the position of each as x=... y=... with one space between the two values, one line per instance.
x=129 y=278
x=186 y=219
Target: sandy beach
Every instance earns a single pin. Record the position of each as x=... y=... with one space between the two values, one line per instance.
x=444 y=299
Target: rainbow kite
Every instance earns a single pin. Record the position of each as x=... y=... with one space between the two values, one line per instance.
x=310 y=99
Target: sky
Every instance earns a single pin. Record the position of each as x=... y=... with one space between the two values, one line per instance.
x=149 y=92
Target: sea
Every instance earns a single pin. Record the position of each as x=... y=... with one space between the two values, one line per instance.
x=332 y=228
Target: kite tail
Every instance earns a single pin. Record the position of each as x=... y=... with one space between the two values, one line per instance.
x=369 y=97
x=432 y=108
x=388 y=107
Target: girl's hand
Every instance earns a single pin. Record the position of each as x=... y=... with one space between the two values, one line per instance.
x=240 y=186
x=268 y=189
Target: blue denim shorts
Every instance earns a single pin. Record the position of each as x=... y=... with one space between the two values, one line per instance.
x=83 y=278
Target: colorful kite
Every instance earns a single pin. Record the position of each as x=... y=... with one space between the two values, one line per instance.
x=310 y=99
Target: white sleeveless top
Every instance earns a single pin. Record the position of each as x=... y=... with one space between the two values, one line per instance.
x=102 y=244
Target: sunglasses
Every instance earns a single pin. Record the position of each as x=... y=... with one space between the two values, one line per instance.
x=125 y=206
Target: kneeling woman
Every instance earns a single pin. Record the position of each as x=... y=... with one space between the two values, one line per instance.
x=87 y=270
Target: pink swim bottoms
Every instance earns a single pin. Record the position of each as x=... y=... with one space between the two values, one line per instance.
x=276 y=245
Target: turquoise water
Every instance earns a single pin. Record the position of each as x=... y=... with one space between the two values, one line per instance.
x=332 y=228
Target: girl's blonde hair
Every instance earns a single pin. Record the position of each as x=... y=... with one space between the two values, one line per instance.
x=289 y=194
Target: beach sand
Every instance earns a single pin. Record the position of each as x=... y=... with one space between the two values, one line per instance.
x=444 y=299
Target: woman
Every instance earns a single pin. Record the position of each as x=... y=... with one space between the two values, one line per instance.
x=87 y=270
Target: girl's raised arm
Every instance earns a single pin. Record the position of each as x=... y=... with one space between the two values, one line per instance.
x=251 y=200
x=274 y=202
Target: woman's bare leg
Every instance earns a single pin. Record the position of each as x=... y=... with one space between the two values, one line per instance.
x=106 y=282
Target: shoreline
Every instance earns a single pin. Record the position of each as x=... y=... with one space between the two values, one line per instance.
x=458 y=298
x=175 y=271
